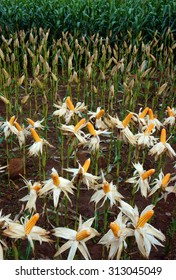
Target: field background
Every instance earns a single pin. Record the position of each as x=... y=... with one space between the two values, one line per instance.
x=90 y=17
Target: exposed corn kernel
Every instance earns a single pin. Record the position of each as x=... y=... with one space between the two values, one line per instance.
x=149 y=128
x=91 y=129
x=35 y=135
x=145 y=218
x=170 y=112
x=86 y=165
x=56 y=180
x=12 y=120
x=100 y=114
x=31 y=223
x=143 y=113
x=30 y=121
x=151 y=116
x=79 y=124
x=37 y=187
x=106 y=187
x=115 y=228
x=126 y=121
x=82 y=234
x=148 y=173
x=70 y=104
x=18 y=126
x=163 y=136
x=165 y=180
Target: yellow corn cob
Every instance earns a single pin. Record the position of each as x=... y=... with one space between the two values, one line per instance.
x=12 y=120
x=115 y=228
x=106 y=187
x=165 y=180
x=30 y=121
x=170 y=113
x=82 y=234
x=100 y=114
x=18 y=126
x=69 y=104
x=149 y=128
x=145 y=218
x=91 y=129
x=163 y=136
x=126 y=121
x=151 y=116
x=35 y=135
x=144 y=113
x=37 y=187
x=56 y=180
x=148 y=173
x=79 y=124
x=86 y=165
x=31 y=223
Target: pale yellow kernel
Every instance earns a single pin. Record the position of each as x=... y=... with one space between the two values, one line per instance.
x=80 y=235
x=4 y=99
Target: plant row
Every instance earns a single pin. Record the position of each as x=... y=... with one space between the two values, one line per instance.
x=90 y=17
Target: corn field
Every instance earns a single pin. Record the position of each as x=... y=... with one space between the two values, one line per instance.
x=87 y=146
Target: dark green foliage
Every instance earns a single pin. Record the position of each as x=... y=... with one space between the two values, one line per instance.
x=87 y=17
